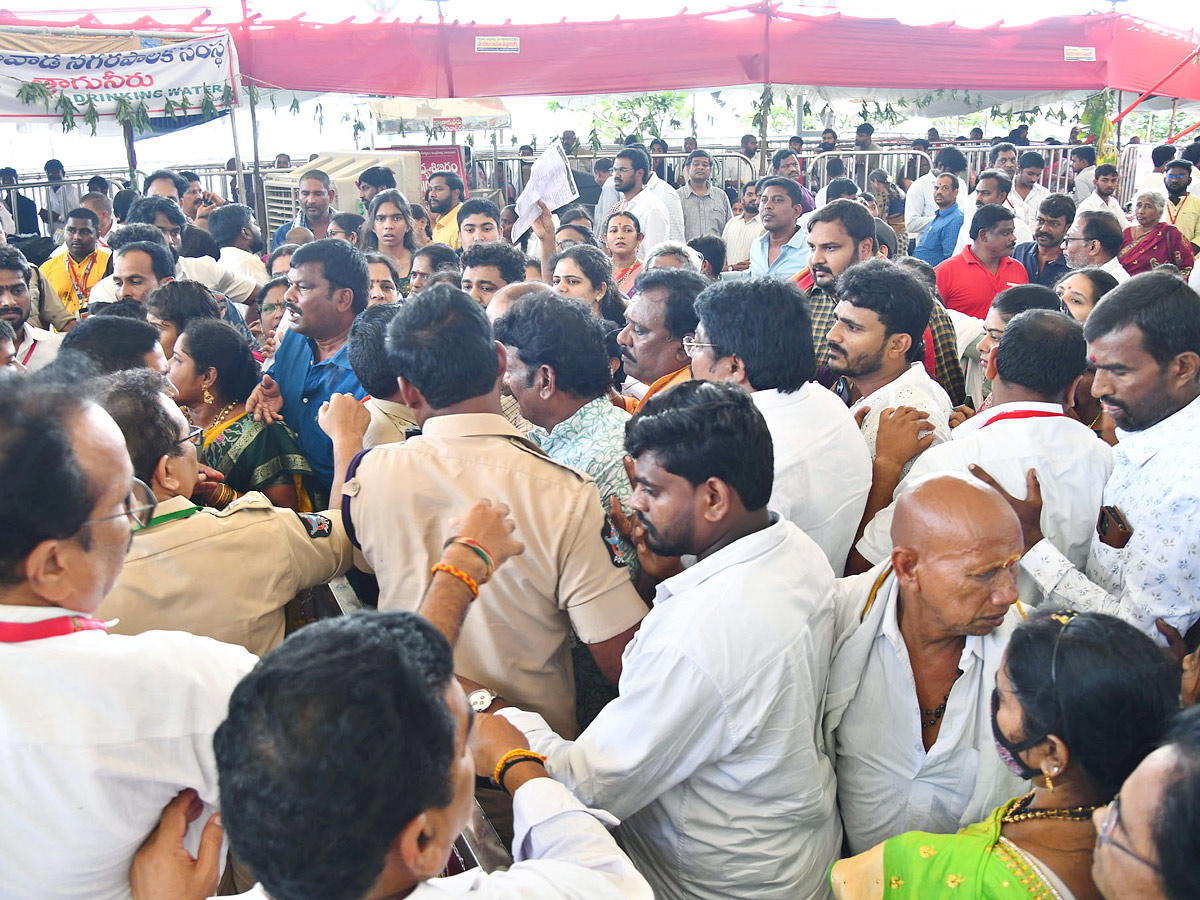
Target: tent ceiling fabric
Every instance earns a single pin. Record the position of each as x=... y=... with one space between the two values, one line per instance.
x=403 y=114
x=635 y=56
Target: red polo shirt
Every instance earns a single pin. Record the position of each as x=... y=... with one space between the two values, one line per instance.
x=967 y=286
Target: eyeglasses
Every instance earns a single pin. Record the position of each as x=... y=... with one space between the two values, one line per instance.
x=1112 y=818
x=692 y=347
x=565 y=243
x=1178 y=176
x=194 y=436
x=268 y=308
x=139 y=506
x=1068 y=240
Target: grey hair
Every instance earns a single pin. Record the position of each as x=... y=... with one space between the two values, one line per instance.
x=1156 y=197
x=674 y=248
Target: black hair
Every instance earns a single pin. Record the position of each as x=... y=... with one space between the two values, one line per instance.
x=1031 y=159
x=46 y=493
x=122 y=201
x=1179 y=164
x=712 y=248
x=507 y=259
x=1162 y=307
x=700 y=430
x=215 y=344
x=1162 y=154
x=453 y=182
x=82 y=212
x=988 y=217
x=135 y=232
x=547 y=329
x=14 y=260
x=6 y=332
x=766 y=323
x=780 y=155
x=573 y=214
x=598 y=270
x=441 y=256
x=885 y=236
x=1098 y=684
x=856 y=220
x=865 y=128
x=921 y=269
x=1191 y=153
x=351 y=222
x=372 y=257
x=697 y=154
x=1101 y=225
x=1102 y=282
x=398 y=200
x=950 y=159
x=342 y=265
x=181 y=183
x=130 y=309
x=583 y=231
x=358 y=763
x=902 y=303
x=632 y=218
x=366 y=346
x=226 y=222
x=1105 y=169
x=441 y=343
x=1176 y=825
x=189 y=177
x=282 y=250
x=147 y=210
x=276 y=281
x=603 y=164
x=1020 y=297
x=791 y=187
x=1043 y=350
x=111 y=343
x=839 y=189
x=682 y=287
x=197 y=242
x=53 y=165
x=1058 y=206
x=98 y=184
x=1003 y=182
x=638 y=159
x=162 y=261
x=1086 y=153
x=997 y=149
x=181 y=301
x=315 y=175
x=134 y=398
x=475 y=206
x=378 y=176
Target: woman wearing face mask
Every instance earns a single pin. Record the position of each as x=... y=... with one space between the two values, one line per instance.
x=1080 y=700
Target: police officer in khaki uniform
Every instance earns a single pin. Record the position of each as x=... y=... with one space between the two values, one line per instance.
x=398 y=499
x=225 y=574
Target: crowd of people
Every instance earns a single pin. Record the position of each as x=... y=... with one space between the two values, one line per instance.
x=797 y=544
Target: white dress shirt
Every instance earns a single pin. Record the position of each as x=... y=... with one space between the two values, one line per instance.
x=822 y=467
x=62 y=199
x=712 y=754
x=1155 y=483
x=1027 y=209
x=561 y=851
x=238 y=288
x=916 y=389
x=244 y=263
x=670 y=201
x=98 y=732
x=1021 y=231
x=1072 y=467
x=1095 y=203
x=738 y=236
x=887 y=782
x=1085 y=185
x=919 y=208
x=608 y=199
x=38 y=347
x=652 y=216
x=1114 y=268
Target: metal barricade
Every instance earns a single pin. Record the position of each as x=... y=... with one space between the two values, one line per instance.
x=859 y=164
x=1131 y=171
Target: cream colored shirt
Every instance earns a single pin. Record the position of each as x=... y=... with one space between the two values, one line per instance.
x=397 y=505
x=389 y=420
x=225 y=574
x=243 y=263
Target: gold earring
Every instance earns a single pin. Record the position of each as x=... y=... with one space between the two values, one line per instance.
x=1049 y=782
x=208 y=398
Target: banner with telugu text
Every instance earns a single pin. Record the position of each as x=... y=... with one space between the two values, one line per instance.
x=154 y=75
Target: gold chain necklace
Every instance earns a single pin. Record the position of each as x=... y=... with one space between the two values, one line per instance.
x=1022 y=813
x=221 y=416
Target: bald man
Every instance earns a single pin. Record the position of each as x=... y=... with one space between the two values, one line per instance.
x=920 y=637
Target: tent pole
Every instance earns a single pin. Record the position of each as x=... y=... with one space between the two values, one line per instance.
x=1183 y=62
x=237 y=153
x=1174 y=109
x=765 y=101
x=130 y=153
x=260 y=199
x=1120 y=116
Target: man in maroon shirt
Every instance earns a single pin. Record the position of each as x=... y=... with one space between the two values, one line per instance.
x=969 y=280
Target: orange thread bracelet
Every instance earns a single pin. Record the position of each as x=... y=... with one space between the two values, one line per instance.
x=510 y=759
x=460 y=575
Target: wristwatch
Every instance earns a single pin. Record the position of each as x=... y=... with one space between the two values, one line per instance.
x=481 y=699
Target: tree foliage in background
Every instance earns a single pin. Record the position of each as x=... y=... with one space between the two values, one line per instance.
x=645 y=116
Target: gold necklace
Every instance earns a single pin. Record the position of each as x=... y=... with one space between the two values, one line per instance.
x=1022 y=813
x=221 y=416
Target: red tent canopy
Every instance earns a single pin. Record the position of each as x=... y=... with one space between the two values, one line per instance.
x=747 y=45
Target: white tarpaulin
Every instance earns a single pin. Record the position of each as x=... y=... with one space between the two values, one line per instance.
x=155 y=75
x=401 y=115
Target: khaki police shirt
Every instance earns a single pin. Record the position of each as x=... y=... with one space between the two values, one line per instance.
x=389 y=420
x=225 y=574
x=515 y=636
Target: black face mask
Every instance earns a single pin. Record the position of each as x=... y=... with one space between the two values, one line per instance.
x=1010 y=752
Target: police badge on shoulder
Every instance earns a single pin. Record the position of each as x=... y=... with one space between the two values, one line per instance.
x=613 y=543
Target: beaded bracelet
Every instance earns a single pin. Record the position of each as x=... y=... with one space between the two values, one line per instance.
x=510 y=759
x=488 y=563
x=460 y=575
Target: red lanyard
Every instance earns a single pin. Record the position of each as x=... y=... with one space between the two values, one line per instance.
x=1023 y=414
x=19 y=632
x=76 y=283
x=32 y=347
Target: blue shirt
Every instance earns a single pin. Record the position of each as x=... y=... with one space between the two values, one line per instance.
x=305 y=385
x=1027 y=255
x=938 y=240
x=793 y=256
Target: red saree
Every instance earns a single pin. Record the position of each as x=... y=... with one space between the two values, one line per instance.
x=1164 y=243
